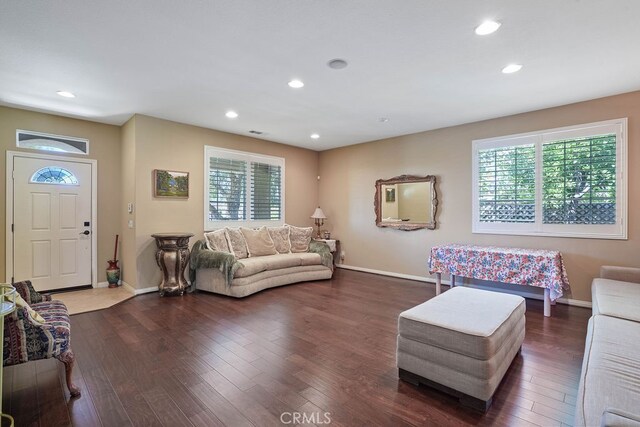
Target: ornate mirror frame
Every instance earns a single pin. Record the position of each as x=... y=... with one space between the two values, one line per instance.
x=403 y=179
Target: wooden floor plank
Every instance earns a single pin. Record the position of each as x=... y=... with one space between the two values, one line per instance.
x=319 y=348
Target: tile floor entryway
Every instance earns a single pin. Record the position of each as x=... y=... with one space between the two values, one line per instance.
x=93 y=299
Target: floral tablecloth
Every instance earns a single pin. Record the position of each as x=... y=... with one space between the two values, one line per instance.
x=531 y=267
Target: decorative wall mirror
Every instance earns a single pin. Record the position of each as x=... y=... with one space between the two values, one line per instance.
x=406 y=202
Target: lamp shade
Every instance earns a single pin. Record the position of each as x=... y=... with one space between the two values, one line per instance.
x=318 y=214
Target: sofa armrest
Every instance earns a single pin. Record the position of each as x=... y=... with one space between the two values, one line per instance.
x=623 y=274
x=203 y=257
x=322 y=249
x=616 y=418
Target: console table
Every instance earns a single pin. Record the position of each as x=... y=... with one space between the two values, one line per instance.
x=515 y=266
x=172 y=257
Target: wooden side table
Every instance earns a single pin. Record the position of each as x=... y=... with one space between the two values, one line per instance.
x=172 y=257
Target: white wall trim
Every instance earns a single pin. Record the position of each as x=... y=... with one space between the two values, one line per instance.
x=130 y=288
x=9 y=209
x=389 y=273
x=141 y=291
x=524 y=294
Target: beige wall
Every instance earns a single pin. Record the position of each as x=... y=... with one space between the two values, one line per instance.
x=348 y=176
x=161 y=144
x=104 y=146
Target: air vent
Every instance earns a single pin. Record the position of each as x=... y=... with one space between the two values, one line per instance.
x=51 y=143
x=256 y=132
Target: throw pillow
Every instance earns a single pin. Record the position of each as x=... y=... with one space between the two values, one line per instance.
x=259 y=242
x=300 y=238
x=21 y=303
x=280 y=237
x=217 y=240
x=237 y=244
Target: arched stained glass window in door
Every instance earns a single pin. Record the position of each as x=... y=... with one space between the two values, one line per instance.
x=53 y=175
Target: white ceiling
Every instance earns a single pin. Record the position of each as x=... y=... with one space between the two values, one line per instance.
x=417 y=62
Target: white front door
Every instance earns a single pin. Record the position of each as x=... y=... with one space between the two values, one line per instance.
x=52 y=222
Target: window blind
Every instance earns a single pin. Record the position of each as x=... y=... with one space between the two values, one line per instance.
x=507 y=184
x=227 y=189
x=579 y=180
x=265 y=191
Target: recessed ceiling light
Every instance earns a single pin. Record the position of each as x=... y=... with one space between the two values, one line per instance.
x=487 y=27
x=231 y=114
x=337 y=64
x=314 y=136
x=383 y=119
x=511 y=68
x=296 y=84
x=65 y=94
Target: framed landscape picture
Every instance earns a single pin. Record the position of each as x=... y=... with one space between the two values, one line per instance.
x=170 y=184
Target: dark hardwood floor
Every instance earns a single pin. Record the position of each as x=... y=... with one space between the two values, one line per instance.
x=329 y=346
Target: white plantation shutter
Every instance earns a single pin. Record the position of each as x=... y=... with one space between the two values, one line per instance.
x=507 y=184
x=560 y=182
x=579 y=178
x=227 y=189
x=242 y=188
x=266 y=200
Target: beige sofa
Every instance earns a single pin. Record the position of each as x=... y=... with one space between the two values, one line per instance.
x=256 y=274
x=609 y=391
x=241 y=262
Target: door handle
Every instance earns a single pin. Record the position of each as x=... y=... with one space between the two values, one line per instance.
x=85 y=232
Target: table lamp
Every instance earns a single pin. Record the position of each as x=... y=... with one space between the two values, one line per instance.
x=319 y=218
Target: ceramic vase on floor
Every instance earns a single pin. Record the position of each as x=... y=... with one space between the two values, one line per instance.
x=113 y=274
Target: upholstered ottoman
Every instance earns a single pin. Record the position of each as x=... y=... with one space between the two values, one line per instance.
x=461 y=342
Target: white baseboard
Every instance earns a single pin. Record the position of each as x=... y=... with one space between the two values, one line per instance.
x=141 y=291
x=524 y=294
x=391 y=274
x=106 y=284
x=130 y=288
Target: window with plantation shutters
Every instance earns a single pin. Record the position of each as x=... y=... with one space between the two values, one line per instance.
x=242 y=189
x=507 y=184
x=560 y=182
